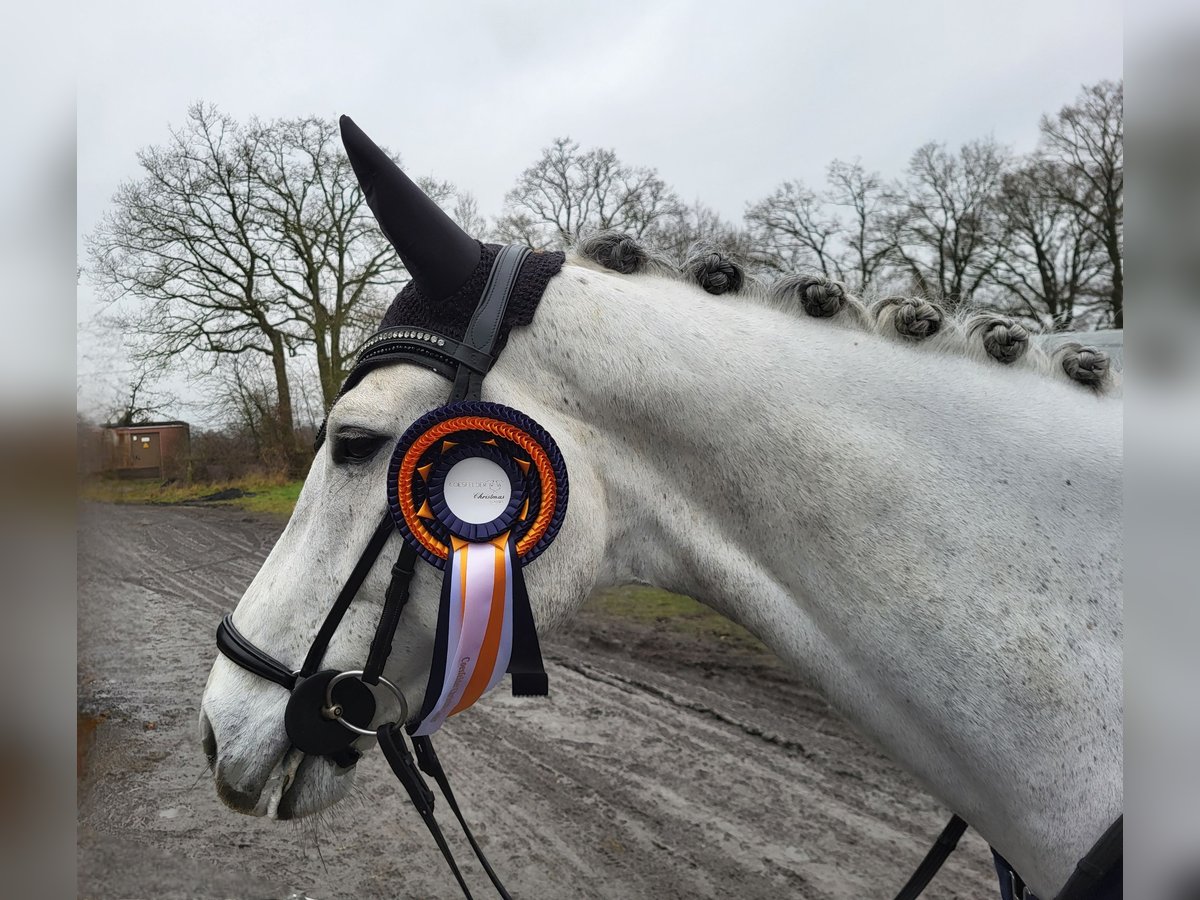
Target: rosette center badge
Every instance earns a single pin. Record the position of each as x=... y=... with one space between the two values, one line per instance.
x=477 y=490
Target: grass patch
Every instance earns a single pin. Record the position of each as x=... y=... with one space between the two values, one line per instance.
x=268 y=495
x=650 y=605
x=273 y=500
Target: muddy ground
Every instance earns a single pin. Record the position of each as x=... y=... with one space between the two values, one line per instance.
x=664 y=765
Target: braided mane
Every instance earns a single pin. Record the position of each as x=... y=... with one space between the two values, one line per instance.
x=990 y=338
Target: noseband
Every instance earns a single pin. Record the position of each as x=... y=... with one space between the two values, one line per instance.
x=329 y=710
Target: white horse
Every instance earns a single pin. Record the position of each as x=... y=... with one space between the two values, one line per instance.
x=933 y=539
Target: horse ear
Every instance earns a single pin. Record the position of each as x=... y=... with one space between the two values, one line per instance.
x=438 y=254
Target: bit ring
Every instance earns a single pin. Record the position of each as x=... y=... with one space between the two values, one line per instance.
x=333 y=710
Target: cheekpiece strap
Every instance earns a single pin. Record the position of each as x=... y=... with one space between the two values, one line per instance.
x=484 y=327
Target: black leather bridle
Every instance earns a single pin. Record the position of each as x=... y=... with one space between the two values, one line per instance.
x=327 y=710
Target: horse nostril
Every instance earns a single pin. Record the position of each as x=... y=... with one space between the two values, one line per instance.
x=208 y=740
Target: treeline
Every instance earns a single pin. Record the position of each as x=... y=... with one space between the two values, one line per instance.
x=245 y=252
x=1038 y=236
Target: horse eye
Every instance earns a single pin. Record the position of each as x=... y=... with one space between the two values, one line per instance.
x=356 y=447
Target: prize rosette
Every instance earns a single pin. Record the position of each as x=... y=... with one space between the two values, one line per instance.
x=479 y=490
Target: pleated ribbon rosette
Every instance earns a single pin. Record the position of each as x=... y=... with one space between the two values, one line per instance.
x=479 y=490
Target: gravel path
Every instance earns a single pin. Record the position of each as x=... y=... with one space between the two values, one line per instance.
x=662 y=765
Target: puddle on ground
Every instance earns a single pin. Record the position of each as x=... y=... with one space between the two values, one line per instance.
x=85 y=736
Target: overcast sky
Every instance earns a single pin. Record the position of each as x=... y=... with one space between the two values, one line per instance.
x=724 y=99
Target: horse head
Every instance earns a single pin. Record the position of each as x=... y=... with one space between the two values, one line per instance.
x=344 y=496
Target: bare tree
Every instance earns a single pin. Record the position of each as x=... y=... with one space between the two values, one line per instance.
x=254 y=240
x=519 y=227
x=945 y=231
x=793 y=229
x=1053 y=260
x=326 y=258
x=185 y=242
x=863 y=197
x=459 y=204
x=1087 y=137
x=699 y=223
x=243 y=397
x=140 y=401
x=569 y=192
x=838 y=231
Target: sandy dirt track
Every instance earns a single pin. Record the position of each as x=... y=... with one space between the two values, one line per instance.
x=662 y=766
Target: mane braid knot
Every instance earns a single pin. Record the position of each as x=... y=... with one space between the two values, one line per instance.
x=615 y=250
x=911 y=319
x=819 y=297
x=1086 y=365
x=713 y=270
x=914 y=317
x=1004 y=340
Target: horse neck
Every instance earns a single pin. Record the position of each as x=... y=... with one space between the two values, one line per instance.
x=933 y=542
